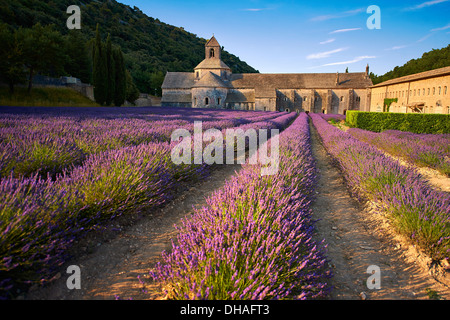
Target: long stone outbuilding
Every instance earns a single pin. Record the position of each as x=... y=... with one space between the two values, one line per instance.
x=425 y=92
x=213 y=85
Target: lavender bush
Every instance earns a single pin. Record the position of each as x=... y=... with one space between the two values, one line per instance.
x=416 y=210
x=425 y=150
x=253 y=239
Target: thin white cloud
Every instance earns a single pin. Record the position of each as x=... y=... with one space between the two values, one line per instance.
x=328 y=41
x=338 y=15
x=344 y=30
x=425 y=5
x=395 y=48
x=254 y=9
x=326 y=54
x=425 y=38
x=357 y=59
x=441 y=29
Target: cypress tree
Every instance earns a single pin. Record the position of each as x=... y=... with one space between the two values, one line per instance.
x=100 y=72
x=120 y=79
x=111 y=78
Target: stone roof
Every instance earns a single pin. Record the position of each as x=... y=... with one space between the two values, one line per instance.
x=180 y=97
x=415 y=77
x=210 y=80
x=265 y=85
x=212 y=63
x=178 y=80
x=301 y=81
x=240 y=96
x=212 y=42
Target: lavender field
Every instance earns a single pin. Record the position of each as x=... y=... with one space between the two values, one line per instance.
x=64 y=173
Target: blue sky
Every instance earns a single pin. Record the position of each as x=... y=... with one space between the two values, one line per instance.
x=312 y=36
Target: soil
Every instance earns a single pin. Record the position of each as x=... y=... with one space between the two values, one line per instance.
x=111 y=261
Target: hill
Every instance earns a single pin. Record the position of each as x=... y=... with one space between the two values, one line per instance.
x=434 y=59
x=150 y=46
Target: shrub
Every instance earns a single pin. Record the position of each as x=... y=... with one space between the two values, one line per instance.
x=412 y=122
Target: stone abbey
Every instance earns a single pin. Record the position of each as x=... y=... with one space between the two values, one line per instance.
x=213 y=85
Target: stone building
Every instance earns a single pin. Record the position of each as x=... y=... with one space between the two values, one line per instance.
x=213 y=85
x=425 y=92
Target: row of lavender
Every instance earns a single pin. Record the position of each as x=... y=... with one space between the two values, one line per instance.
x=417 y=211
x=41 y=218
x=425 y=150
x=253 y=238
x=49 y=145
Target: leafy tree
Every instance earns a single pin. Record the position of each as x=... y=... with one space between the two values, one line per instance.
x=42 y=50
x=79 y=61
x=100 y=71
x=11 y=56
x=132 y=92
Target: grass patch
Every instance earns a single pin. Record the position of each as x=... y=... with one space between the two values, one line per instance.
x=48 y=97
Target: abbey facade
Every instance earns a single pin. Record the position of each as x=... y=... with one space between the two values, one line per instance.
x=213 y=85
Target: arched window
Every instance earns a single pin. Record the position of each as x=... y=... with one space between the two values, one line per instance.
x=197 y=74
x=342 y=98
x=428 y=91
x=445 y=90
x=219 y=100
x=440 y=89
x=434 y=91
x=206 y=101
x=211 y=53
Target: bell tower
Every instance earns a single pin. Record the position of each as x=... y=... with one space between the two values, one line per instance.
x=212 y=49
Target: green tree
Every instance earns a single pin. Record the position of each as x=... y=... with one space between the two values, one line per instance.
x=132 y=93
x=12 y=69
x=79 y=61
x=110 y=66
x=100 y=71
x=42 y=51
x=120 y=78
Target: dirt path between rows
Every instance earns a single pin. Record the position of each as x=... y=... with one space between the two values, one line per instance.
x=112 y=263
x=358 y=238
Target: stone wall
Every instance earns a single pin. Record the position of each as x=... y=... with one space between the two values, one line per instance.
x=209 y=98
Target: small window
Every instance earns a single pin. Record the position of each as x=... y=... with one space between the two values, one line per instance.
x=440 y=89
x=445 y=90
x=195 y=101
x=342 y=99
x=428 y=91
x=206 y=101
x=434 y=91
x=197 y=74
x=211 y=53
x=305 y=98
x=219 y=100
